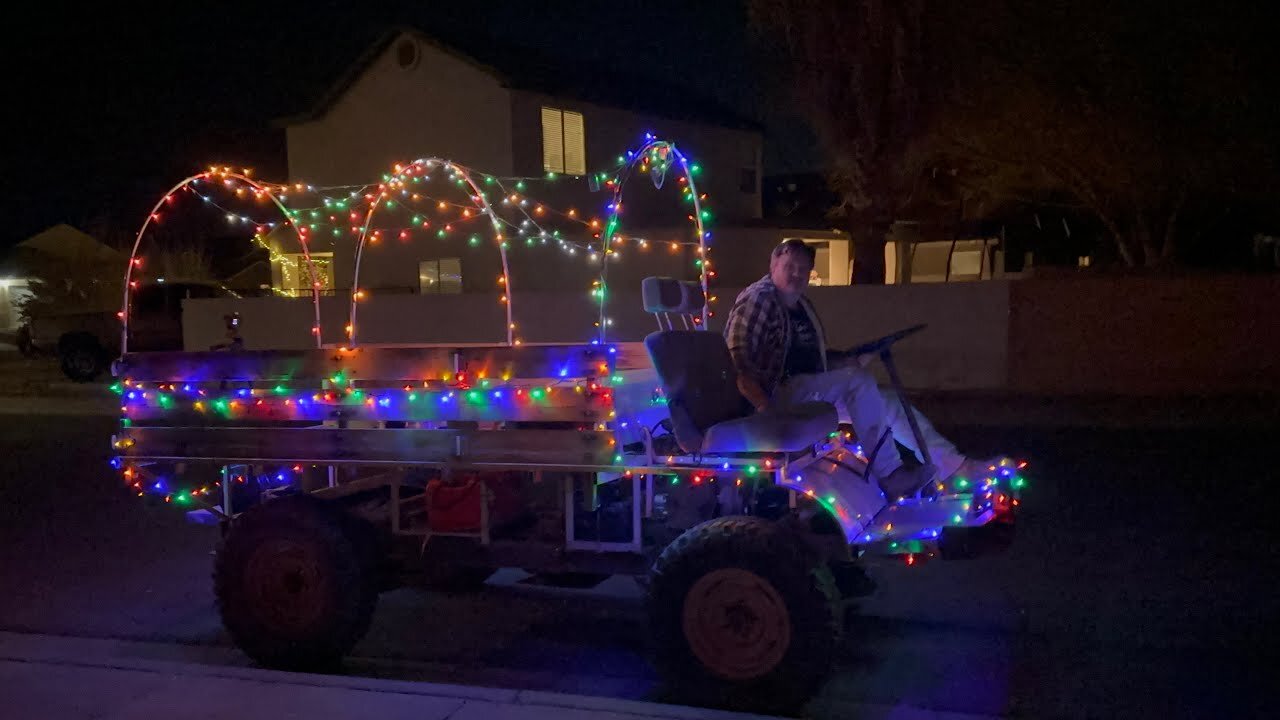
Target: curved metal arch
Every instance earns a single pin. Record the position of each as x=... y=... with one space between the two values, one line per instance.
x=637 y=156
x=481 y=202
x=137 y=243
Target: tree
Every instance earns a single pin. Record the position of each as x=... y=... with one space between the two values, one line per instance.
x=869 y=75
x=1153 y=122
x=1132 y=115
x=1120 y=111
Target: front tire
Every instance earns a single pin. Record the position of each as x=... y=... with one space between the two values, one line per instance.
x=292 y=586
x=24 y=342
x=743 y=616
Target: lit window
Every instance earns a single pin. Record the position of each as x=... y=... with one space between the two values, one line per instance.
x=563 y=142
x=440 y=276
x=295 y=278
x=830 y=263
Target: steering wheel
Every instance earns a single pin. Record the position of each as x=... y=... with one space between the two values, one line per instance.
x=881 y=344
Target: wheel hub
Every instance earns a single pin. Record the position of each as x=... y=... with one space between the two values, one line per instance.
x=284 y=580
x=736 y=623
x=82 y=361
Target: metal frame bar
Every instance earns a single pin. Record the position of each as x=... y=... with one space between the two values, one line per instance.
x=556 y=467
x=484 y=512
x=226 y=491
x=386 y=363
x=636 y=507
x=886 y=356
x=570 y=508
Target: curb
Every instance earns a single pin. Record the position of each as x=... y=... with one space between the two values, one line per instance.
x=52 y=650
x=104 y=405
x=122 y=656
x=21 y=388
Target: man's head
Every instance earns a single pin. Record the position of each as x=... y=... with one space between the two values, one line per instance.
x=789 y=267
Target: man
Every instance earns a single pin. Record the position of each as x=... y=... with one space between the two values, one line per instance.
x=780 y=354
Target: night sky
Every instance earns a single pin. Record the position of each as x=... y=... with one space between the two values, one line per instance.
x=109 y=107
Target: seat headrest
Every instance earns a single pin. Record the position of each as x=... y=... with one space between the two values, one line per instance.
x=668 y=295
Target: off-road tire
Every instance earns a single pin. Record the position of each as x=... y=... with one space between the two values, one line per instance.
x=780 y=607
x=295 y=589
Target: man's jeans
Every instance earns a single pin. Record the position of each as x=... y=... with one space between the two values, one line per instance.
x=871 y=410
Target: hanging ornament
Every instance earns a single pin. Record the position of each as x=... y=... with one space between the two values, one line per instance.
x=659 y=161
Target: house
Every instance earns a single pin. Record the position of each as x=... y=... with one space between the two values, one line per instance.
x=64 y=252
x=936 y=249
x=514 y=113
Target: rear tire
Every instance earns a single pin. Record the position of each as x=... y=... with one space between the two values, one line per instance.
x=293 y=586
x=82 y=357
x=744 y=616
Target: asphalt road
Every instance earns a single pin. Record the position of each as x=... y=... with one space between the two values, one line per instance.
x=1140 y=585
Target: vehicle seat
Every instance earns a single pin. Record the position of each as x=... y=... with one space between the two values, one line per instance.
x=708 y=414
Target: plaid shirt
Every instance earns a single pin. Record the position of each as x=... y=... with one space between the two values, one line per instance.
x=759 y=333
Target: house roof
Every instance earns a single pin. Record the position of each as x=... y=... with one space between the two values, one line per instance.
x=65 y=241
x=521 y=68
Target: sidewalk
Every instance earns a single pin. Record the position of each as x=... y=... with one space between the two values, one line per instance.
x=56 y=678
x=45 y=677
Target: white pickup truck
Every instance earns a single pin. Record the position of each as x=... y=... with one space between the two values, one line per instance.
x=87 y=342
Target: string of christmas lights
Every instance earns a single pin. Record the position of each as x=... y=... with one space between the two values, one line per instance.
x=362 y=202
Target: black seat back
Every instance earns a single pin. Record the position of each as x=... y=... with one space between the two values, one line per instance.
x=699 y=380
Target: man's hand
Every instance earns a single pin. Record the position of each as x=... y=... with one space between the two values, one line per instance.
x=840 y=358
x=754 y=394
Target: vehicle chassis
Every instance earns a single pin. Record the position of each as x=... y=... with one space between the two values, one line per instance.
x=569 y=432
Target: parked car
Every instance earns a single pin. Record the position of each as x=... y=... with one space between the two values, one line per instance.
x=86 y=342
